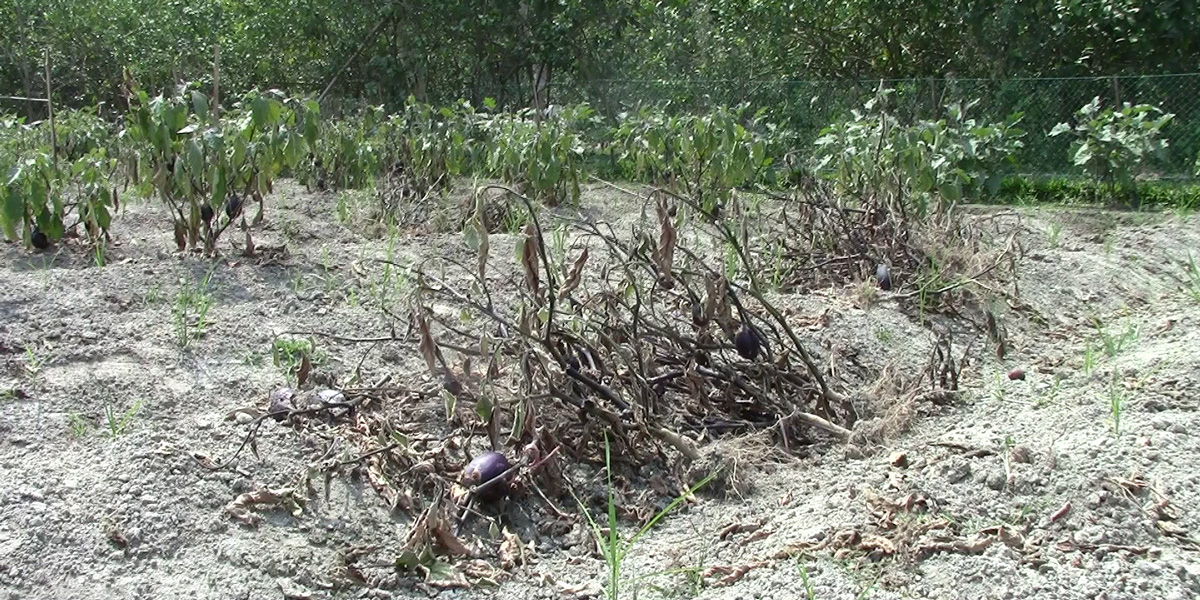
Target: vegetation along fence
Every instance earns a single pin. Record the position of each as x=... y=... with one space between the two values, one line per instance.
x=805 y=107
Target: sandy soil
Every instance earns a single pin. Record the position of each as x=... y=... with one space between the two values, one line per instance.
x=1021 y=489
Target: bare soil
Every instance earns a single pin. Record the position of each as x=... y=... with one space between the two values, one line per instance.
x=1020 y=488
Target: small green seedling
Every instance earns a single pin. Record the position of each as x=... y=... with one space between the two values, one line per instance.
x=33 y=362
x=118 y=424
x=1192 y=284
x=191 y=311
x=78 y=425
x=810 y=593
x=615 y=549
x=289 y=355
x=1112 y=342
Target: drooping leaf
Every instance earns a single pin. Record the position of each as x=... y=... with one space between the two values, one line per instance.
x=529 y=260
x=200 y=105
x=427 y=345
x=574 y=277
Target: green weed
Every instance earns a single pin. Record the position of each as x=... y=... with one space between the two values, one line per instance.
x=289 y=354
x=253 y=359
x=615 y=549
x=1192 y=283
x=1053 y=233
x=1089 y=358
x=780 y=269
x=1114 y=342
x=191 y=311
x=34 y=362
x=152 y=296
x=118 y=423
x=810 y=593
x=1051 y=396
x=78 y=425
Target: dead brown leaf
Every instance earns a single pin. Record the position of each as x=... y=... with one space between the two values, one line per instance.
x=873 y=542
x=590 y=589
x=731 y=575
x=575 y=276
x=529 y=259
x=427 y=346
x=512 y=551
x=664 y=254
x=303 y=371
x=242 y=507
x=735 y=528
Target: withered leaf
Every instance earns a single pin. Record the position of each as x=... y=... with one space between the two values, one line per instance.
x=529 y=259
x=241 y=506
x=664 y=255
x=305 y=368
x=180 y=236
x=512 y=551
x=427 y=346
x=574 y=277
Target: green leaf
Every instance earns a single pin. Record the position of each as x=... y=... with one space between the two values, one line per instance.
x=1083 y=155
x=923 y=183
x=1059 y=129
x=260 y=111
x=195 y=159
x=12 y=215
x=219 y=186
x=484 y=408
x=200 y=105
x=951 y=191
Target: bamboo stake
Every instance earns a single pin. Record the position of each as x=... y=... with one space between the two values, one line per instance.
x=216 y=103
x=50 y=109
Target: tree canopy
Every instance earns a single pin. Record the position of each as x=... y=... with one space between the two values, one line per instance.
x=508 y=49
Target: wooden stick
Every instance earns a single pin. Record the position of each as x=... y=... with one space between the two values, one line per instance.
x=216 y=102
x=50 y=109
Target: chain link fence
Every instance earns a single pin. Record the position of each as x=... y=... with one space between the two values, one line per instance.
x=806 y=107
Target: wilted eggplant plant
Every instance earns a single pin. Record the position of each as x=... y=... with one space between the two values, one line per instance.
x=206 y=167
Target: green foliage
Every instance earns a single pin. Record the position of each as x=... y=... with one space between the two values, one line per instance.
x=190 y=312
x=420 y=149
x=1113 y=144
x=30 y=199
x=196 y=160
x=541 y=154
x=707 y=156
x=935 y=163
x=1058 y=190
x=41 y=193
x=1192 y=278
x=1115 y=342
x=78 y=425
x=288 y=355
x=348 y=153
x=119 y=422
x=80 y=132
